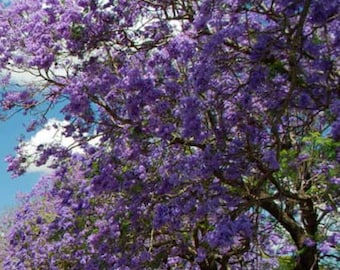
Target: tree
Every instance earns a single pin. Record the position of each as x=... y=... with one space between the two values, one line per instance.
x=219 y=134
x=6 y=220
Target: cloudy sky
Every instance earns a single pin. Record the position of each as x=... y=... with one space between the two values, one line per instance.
x=9 y=187
x=10 y=131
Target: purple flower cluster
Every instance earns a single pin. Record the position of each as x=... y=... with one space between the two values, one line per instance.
x=217 y=126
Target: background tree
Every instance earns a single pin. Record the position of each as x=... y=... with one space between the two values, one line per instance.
x=218 y=124
x=6 y=222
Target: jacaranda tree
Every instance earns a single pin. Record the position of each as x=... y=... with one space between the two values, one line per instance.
x=217 y=126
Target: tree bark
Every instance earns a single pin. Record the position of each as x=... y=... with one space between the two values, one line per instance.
x=308 y=255
x=308 y=259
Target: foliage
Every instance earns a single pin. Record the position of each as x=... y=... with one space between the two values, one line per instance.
x=218 y=124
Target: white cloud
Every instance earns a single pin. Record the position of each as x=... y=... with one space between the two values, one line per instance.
x=26 y=77
x=50 y=134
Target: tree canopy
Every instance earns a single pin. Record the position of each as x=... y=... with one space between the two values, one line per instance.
x=217 y=129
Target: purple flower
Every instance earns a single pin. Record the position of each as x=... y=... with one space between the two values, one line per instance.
x=309 y=242
x=190 y=102
x=161 y=216
x=336 y=130
x=201 y=254
x=269 y=157
x=305 y=100
x=325 y=248
x=335 y=180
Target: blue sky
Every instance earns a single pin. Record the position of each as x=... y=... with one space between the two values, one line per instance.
x=9 y=133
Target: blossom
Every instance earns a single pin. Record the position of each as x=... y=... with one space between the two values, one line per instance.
x=196 y=126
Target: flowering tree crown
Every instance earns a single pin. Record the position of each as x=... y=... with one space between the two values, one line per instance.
x=218 y=125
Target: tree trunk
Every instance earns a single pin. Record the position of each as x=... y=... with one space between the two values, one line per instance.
x=308 y=256
x=308 y=259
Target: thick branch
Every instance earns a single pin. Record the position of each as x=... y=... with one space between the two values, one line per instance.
x=287 y=222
